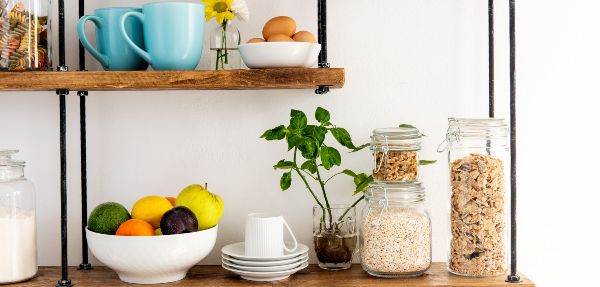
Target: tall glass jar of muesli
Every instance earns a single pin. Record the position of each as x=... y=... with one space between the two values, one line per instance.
x=396 y=154
x=395 y=233
x=24 y=35
x=478 y=158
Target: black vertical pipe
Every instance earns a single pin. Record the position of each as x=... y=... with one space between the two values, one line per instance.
x=322 y=25
x=513 y=277
x=491 y=57
x=61 y=33
x=85 y=264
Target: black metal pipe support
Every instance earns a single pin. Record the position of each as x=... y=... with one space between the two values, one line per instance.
x=514 y=276
x=491 y=79
x=322 y=25
x=85 y=264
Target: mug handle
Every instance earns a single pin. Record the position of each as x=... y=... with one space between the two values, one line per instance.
x=86 y=43
x=128 y=40
x=293 y=237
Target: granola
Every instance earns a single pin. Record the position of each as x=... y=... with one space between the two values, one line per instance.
x=477 y=216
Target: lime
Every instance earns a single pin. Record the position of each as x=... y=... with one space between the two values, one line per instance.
x=107 y=217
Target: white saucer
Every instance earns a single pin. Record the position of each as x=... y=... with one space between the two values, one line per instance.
x=238 y=251
x=265 y=268
x=265 y=263
x=265 y=276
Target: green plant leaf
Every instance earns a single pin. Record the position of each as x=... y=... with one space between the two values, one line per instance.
x=298 y=119
x=315 y=132
x=309 y=148
x=407 y=126
x=330 y=157
x=286 y=181
x=293 y=138
x=361 y=147
x=283 y=164
x=343 y=137
x=310 y=166
x=322 y=115
x=427 y=162
x=349 y=172
x=277 y=133
x=362 y=181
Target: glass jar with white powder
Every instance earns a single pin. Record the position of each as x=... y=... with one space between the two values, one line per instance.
x=395 y=234
x=18 y=260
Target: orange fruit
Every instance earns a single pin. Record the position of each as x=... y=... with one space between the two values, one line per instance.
x=171 y=200
x=135 y=227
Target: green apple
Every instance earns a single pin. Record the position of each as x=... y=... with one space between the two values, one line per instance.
x=207 y=207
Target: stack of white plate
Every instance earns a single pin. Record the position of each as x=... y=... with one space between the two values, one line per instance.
x=263 y=268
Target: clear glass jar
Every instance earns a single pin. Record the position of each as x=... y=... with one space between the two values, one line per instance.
x=478 y=160
x=24 y=32
x=335 y=236
x=396 y=154
x=224 y=47
x=18 y=260
x=395 y=233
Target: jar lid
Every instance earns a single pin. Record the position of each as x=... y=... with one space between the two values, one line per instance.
x=7 y=160
x=402 y=138
x=401 y=192
x=488 y=128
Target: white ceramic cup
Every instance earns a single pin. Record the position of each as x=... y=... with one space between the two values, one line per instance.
x=264 y=235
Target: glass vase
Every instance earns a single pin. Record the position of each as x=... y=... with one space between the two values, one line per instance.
x=224 y=47
x=335 y=236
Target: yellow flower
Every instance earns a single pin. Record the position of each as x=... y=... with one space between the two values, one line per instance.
x=219 y=9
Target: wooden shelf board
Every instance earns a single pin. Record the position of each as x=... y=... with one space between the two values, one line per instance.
x=173 y=80
x=312 y=277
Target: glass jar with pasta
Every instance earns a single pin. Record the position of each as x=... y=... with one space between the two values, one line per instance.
x=24 y=35
x=396 y=154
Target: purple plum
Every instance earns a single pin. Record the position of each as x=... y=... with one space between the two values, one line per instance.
x=178 y=220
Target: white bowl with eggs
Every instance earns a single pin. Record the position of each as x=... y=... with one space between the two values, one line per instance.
x=152 y=259
x=280 y=54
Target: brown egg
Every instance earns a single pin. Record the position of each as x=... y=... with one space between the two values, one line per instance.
x=305 y=36
x=256 y=40
x=280 y=38
x=279 y=25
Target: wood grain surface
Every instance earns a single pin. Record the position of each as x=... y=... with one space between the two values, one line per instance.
x=311 y=277
x=300 y=78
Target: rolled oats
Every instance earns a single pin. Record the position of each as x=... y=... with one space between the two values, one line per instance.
x=396 y=166
x=477 y=216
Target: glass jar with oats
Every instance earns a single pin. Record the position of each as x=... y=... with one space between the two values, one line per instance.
x=478 y=160
x=395 y=233
x=396 y=154
x=24 y=35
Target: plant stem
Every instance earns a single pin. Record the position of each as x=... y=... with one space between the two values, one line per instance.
x=352 y=206
x=322 y=184
x=306 y=182
x=333 y=177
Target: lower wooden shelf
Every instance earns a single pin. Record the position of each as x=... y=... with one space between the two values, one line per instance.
x=312 y=277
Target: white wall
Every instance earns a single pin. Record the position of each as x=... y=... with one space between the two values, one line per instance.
x=406 y=61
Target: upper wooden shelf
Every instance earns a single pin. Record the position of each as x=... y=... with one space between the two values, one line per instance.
x=173 y=80
x=311 y=277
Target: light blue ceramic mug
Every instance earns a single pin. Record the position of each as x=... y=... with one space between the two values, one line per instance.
x=173 y=34
x=111 y=50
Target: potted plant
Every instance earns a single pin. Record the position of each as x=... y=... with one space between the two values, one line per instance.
x=334 y=229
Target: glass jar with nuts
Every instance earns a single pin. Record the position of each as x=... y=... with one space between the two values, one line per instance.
x=396 y=154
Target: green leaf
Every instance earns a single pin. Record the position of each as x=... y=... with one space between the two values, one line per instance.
x=283 y=164
x=315 y=132
x=286 y=181
x=309 y=148
x=330 y=157
x=407 y=126
x=298 y=119
x=309 y=165
x=322 y=115
x=427 y=162
x=361 y=147
x=293 y=138
x=349 y=172
x=343 y=137
x=277 y=133
x=362 y=181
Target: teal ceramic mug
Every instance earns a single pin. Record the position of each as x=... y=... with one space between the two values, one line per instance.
x=173 y=34
x=112 y=50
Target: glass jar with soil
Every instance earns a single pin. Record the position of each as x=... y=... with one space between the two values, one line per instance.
x=478 y=161
x=335 y=236
x=396 y=154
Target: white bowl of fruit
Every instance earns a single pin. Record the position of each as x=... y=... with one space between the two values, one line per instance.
x=162 y=238
x=281 y=47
